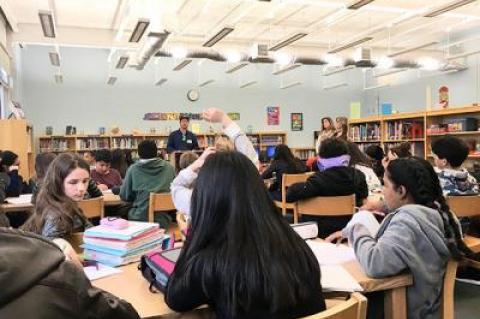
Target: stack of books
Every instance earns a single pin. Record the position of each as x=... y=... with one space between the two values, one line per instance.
x=116 y=247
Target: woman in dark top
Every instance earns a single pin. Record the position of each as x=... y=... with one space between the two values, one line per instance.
x=283 y=163
x=240 y=257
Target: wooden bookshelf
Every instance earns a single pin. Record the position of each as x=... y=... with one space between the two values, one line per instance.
x=304 y=153
x=82 y=143
x=17 y=136
x=431 y=119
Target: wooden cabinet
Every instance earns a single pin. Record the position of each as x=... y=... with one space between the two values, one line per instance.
x=17 y=136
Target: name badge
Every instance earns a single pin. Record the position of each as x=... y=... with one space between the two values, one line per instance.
x=189 y=141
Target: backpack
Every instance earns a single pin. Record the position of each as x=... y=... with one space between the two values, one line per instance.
x=157 y=267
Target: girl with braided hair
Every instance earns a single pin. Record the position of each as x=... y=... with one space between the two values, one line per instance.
x=420 y=235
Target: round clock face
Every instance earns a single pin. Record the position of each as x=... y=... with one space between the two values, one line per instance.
x=193 y=95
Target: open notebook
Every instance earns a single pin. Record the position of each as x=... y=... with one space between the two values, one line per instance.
x=22 y=199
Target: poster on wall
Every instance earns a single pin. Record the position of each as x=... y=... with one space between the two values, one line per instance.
x=234 y=116
x=296 y=121
x=273 y=115
x=355 y=110
x=170 y=116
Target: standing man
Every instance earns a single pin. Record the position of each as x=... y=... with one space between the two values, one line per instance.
x=182 y=139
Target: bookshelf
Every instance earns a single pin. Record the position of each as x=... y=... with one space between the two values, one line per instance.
x=304 y=153
x=82 y=143
x=420 y=129
x=17 y=136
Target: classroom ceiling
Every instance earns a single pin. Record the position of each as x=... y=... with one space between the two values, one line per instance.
x=393 y=25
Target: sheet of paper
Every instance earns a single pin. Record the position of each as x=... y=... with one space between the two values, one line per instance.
x=336 y=278
x=331 y=254
x=22 y=199
x=103 y=271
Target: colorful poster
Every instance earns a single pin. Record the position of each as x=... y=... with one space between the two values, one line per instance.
x=273 y=115
x=296 y=121
x=234 y=116
x=195 y=128
x=170 y=116
x=355 y=110
x=386 y=108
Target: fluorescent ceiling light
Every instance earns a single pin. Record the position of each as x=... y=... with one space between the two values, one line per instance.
x=349 y=45
x=206 y=83
x=287 y=41
x=111 y=80
x=286 y=69
x=450 y=7
x=46 y=21
x=217 y=37
x=54 y=58
x=412 y=49
x=429 y=64
x=358 y=4
x=122 y=61
x=58 y=78
x=236 y=68
x=378 y=75
x=182 y=64
x=247 y=84
x=334 y=86
x=376 y=87
x=291 y=85
x=349 y=67
x=463 y=55
x=160 y=82
x=139 y=30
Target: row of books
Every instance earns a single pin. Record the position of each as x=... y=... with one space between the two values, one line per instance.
x=125 y=142
x=305 y=154
x=365 y=132
x=116 y=247
x=54 y=145
x=92 y=143
x=400 y=130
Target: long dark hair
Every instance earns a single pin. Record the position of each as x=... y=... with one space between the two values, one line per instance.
x=245 y=247
x=283 y=153
x=42 y=162
x=332 y=126
x=402 y=150
x=52 y=198
x=357 y=157
x=421 y=182
x=119 y=161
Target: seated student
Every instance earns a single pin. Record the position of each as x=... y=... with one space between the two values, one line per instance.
x=42 y=162
x=56 y=213
x=186 y=159
x=335 y=178
x=105 y=176
x=283 y=163
x=376 y=155
x=150 y=174
x=449 y=153
x=242 y=260
x=38 y=282
x=419 y=236
x=401 y=150
x=4 y=181
x=11 y=163
x=119 y=162
x=89 y=157
x=360 y=161
x=182 y=184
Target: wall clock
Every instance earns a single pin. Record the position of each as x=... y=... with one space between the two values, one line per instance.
x=193 y=95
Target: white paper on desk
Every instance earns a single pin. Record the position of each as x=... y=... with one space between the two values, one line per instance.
x=103 y=271
x=22 y=199
x=336 y=278
x=331 y=254
x=108 y=191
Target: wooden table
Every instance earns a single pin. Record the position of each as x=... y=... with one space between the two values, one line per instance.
x=110 y=199
x=131 y=286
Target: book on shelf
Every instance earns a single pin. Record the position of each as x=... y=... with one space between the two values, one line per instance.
x=305 y=154
x=417 y=149
x=365 y=132
x=403 y=130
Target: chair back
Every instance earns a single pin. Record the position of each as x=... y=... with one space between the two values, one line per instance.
x=159 y=202
x=448 y=290
x=92 y=208
x=287 y=181
x=464 y=206
x=353 y=308
x=327 y=206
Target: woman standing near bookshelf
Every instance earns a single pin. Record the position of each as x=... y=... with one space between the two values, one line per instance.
x=341 y=127
x=328 y=130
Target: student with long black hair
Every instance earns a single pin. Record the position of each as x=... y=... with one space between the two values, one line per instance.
x=420 y=235
x=4 y=181
x=240 y=257
x=283 y=163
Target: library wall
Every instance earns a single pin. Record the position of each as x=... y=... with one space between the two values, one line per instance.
x=85 y=100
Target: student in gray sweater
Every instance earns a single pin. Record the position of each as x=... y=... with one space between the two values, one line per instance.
x=420 y=235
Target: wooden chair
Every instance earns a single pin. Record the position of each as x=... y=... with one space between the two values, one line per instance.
x=353 y=308
x=287 y=181
x=448 y=290
x=92 y=208
x=159 y=202
x=325 y=206
x=466 y=206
